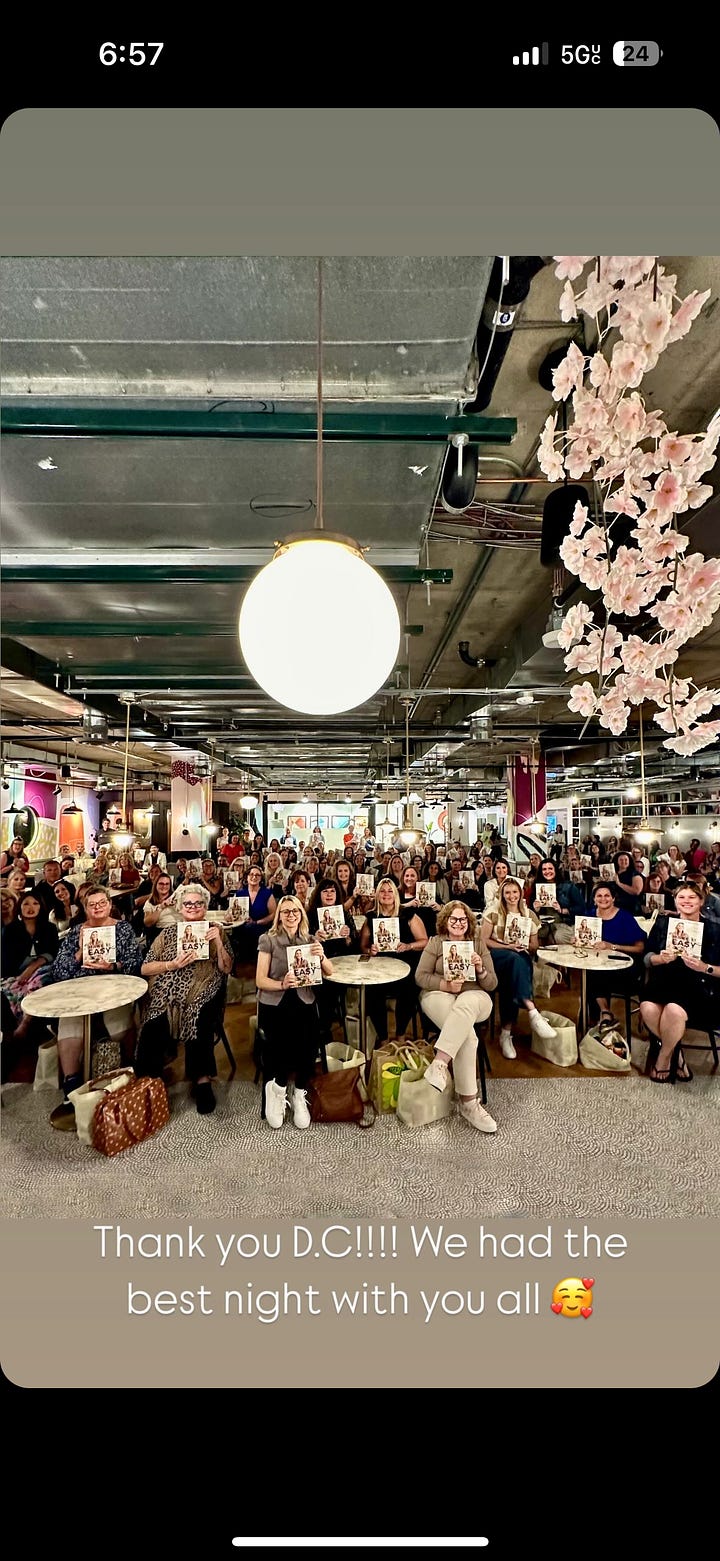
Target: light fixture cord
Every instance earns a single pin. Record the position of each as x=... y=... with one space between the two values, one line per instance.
x=642 y=769
x=319 y=521
x=125 y=770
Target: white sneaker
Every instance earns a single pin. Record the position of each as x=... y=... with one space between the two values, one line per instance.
x=540 y=1025
x=300 y=1109
x=506 y=1043
x=476 y=1115
x=275 y=1103
x=437 y=1074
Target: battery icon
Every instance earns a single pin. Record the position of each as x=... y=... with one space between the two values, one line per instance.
x=636 y=52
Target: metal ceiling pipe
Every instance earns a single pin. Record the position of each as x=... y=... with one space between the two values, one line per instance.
x=508 y=288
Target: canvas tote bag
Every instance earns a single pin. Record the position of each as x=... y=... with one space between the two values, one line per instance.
x=563 y=1048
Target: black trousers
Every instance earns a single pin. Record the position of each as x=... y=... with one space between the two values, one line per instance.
x=290 y=1028
x=405 y=993
x=156 y=1044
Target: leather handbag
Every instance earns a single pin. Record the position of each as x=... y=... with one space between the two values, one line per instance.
x=128 y=1115
x=340 y=1094
x=86 y=1098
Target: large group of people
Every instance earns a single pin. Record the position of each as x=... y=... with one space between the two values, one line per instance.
x=277 y=895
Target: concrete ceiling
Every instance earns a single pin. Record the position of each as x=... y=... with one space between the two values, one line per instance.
x=126 y=553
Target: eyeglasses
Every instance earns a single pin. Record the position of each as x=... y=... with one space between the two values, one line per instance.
x=290 y=912
x=193 y=904
x=458 y=921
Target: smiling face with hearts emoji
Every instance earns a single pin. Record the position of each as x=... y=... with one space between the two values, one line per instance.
x=573 y=1298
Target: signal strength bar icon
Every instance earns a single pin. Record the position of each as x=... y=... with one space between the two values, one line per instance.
x=537 y=55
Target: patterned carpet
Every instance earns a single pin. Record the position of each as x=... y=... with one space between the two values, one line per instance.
x=566 y=1147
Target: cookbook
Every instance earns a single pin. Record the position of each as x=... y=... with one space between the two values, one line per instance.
x=684 y=937
x=99 y=946
x=364 y=883
x=192 y=939
x=386 y=933
x=331 y=920
x=232 y=879
x=239 y=908
x=606 y=872
x=457 y=961
x=545 y=893
x=654 y=902
x=427 y=893
x=306 y=967
x=517 y=929
x=588 y=930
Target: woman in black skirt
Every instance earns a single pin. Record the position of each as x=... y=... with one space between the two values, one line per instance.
x=683 y=988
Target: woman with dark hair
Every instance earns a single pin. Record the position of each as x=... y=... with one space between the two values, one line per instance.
x=66 y=909
x=434 y=874
x=299 y=885
x=629 y=883
x=621 y=935
x=325 y=897
x=683 y=989
x=14 y=857
x=287 y=1013
x=158 y=912
x=695 y=856
x=557 y=904
x=345 y=878
x=29 y=947
x=456 y=1007
x=657 y=884
x=261 y=910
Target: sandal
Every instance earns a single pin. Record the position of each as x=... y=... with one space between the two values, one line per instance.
x=684 y=1073
x=659 y=1075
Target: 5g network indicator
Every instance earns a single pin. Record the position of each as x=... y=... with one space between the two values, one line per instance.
x=638 y=51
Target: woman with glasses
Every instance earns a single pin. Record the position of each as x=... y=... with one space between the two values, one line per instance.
x=190 y=989
x=512 y=959
x=158 y=911
x=287 y=1013
x=456 y=1007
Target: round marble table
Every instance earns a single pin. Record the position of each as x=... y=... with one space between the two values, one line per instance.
x=569 y=958
x=81 y=998
x=352 y=970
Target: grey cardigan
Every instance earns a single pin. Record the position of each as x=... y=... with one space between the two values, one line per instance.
x=429 y=972
x=276 y=945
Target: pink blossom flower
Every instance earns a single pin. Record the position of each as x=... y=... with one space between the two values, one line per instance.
x=629 y=419
x=637 y=656
x=699 y=574
x=599 y=371
x=667 y=544
x=575 y=624
x=701 y=737
x=613 y=713
x=569 y=374
x=593 y=572
x=582 y=700
x=673 y=614
x=568 y=305
x=549 y=458
x=572 y=553
x=598 y=295
x=688 y=311
x=579 y=519
x=628 y=365
x=698 y=496
x=582 y=658
x=674 y=451
x=629 y=269
x=701 y=704
x=655 y=323
x=570 y=266
x=668 y=492
x=620 y=503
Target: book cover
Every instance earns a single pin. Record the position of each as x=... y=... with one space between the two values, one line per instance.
x=427 y=893
x=457 y=961
x=654 y=902
x=114 y=877
x=577 y=875
x=466 y=879
x=232 y=879
x=306 y=967
x=517 y=929
x=239 y=908
x=588 y=930
x=331 y=920
x=386 y=933
x=545 y=893
x=606 y=872
x=99 y=946
x=364 y=883
x=192 y=939
x=585 y=861
x=684 y=937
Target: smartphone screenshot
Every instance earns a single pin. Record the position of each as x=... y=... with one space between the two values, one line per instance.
x=360 y=753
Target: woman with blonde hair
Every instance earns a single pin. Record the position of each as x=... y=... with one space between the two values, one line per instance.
x=160 y=909
x=456 y=1006
x=513 y=962
x=413 y=938
x=287 y=1013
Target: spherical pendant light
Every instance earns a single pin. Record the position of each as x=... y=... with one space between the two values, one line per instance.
x=303 y=670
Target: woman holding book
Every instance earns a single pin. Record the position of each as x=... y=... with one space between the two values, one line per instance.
x=433 y=873
x=72 y=964
x=513 y=961
x=629 y=883
x=657 y=884
x=287 y=1013
x=262 y=906
x=412 y=941
x=345 y=879
x=456 y=1006
x=192 y=990
x=557 y=904
x=683 y=989
x=620 y=935
x=158 y=911
x=29 y=945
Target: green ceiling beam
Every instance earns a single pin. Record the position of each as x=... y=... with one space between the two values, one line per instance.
x=147 y=423
x=172 y=574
